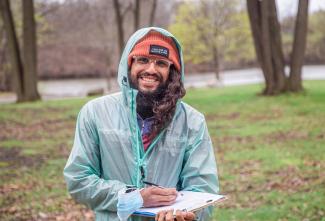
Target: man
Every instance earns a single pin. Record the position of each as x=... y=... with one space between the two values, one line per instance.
x=143 y=134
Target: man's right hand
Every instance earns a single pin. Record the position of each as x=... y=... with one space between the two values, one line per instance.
x=156 y=196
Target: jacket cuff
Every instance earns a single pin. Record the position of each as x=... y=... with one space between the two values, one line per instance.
x=128 y=203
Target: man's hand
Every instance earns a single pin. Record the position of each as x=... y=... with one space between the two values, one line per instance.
x=155 y=196
x=169 y=216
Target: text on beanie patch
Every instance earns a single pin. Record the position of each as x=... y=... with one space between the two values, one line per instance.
x=159 y=50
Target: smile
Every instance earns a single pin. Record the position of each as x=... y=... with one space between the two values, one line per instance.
x=149 y=78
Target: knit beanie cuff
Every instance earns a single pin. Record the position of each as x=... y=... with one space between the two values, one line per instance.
x=157 y=45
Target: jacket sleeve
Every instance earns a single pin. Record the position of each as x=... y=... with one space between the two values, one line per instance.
x=82 y=172
x=199 y=171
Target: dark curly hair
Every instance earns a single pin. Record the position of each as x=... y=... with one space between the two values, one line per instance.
x=164 y=108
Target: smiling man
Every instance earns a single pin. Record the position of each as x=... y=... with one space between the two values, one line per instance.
x=144 y=134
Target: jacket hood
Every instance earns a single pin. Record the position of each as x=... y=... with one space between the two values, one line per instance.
x=123 y=68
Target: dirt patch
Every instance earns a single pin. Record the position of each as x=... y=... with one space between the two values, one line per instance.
x=244 y=172
x=72 y=212
x=237 y=189
x=291 y=180
x=270 y=115
x=14 y=159
x=288 y=179
x=237 y=139
x=282 y=136
x=230 y=116
x=6 y=189
x=321 y=136
x=243 y=192
x=69 y=211
x=32 y=131
x=35 y=124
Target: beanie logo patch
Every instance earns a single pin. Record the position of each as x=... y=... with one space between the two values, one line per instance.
x=159 y=50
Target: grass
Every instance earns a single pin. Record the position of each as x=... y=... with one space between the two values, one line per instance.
x=270 y=153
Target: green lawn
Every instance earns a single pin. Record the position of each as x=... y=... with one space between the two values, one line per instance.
x=270 y=153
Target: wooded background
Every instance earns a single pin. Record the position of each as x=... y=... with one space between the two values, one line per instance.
x=84 y=38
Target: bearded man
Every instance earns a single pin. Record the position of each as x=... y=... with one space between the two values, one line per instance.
x=141 y=135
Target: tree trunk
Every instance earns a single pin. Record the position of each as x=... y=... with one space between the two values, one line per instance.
x=152 y=13
x=210 y=39
x=267 y=41
x=258 y=17
x=294 y=83
x=30 y=51
x=266 y=49
x=5 y=84
x=14 y=51
x=119 y=24
x=254 y=19
x=277 y=58
x=136 y=15
x=216 y=63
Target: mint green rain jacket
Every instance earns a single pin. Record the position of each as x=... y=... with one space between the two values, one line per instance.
x=108 y=153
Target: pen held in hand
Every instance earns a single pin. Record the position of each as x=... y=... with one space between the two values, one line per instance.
x=153 y=184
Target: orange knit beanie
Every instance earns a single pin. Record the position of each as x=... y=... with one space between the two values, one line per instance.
x=157 y=45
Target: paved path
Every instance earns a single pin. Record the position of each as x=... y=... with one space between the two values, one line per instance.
x=58 y=89
x=248 y=76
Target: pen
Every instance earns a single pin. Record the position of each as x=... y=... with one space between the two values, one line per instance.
x=153 y=184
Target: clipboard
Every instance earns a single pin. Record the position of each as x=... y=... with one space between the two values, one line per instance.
x=186 y=201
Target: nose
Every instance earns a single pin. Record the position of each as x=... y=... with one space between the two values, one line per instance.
x=151 y=68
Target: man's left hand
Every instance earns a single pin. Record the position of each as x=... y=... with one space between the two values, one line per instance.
x=169 y=216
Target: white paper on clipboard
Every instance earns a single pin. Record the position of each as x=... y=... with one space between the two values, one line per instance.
x=186 y=200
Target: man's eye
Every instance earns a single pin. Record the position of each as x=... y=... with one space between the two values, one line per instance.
x=143 y=60
x=162 y=63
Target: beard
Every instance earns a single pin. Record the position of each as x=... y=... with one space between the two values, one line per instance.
x=146 y=99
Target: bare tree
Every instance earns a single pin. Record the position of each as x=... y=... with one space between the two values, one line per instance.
x=299 y=45
x=136 y=13
x=24 y=72
x=210 y=37
x=30 y=52
x=119 y=24
x=216 y=18
x=4 y=78
x=153 y=12
x=14 y=51
x=119 y=17
x=268 y=45
x=142 y=15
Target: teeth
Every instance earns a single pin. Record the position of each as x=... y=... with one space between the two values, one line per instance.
x=148 y=79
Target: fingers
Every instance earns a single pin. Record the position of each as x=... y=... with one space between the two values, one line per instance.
x=179 y=215
x=161 y=203
x=163 y=191
x=169 y=216
x=189 y=216
x=167 y=200
x=154 y=196
x=184 y=216
x=165 y=215
x=160 y=216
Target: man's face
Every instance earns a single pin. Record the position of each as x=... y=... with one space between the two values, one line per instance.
x=149 y=73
